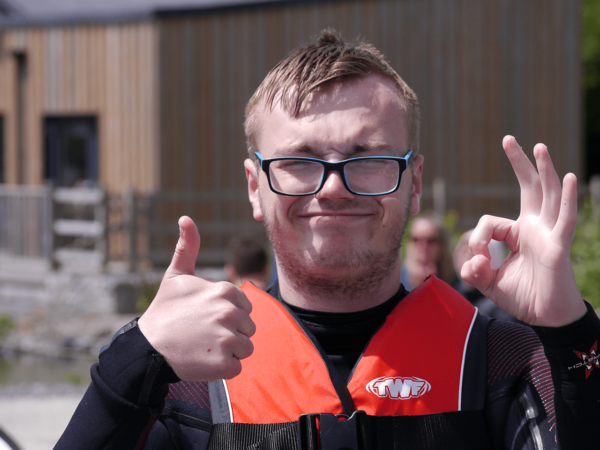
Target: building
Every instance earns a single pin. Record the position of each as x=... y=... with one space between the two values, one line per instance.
x=151 y=93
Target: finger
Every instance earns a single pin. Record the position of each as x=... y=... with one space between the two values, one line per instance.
x=529 y=180
x=567 y=217
x=478 y=273
x=242 y=302
x=246 y=325
x=243 y=347
x=186 y=250
x=550 y=185
x=226 y=290
x=488 y=228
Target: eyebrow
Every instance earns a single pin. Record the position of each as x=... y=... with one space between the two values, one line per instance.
x=357 y=150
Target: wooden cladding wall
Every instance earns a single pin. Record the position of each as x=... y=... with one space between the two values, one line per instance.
x=108 y=71
x=482 y=69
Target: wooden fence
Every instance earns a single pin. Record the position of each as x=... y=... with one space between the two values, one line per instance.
x=89 y=227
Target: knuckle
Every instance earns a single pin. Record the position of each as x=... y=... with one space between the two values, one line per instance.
x=223 y=289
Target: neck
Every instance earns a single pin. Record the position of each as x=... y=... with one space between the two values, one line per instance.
x=347 y=292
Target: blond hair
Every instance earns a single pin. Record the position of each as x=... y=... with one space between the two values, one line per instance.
x=330 y=60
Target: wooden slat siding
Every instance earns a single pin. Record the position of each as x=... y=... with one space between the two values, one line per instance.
x=473 y=65
x=109 y=71
x=8 y=100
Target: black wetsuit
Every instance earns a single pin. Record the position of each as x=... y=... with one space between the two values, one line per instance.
x=535 y=380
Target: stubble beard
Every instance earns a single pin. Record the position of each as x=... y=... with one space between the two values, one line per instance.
x=342 y=275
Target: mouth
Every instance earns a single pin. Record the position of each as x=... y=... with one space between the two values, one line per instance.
x=334 y=217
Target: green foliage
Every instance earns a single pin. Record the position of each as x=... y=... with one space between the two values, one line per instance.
x=6 y=325
x=585 y=252
x=75 y=378
x=591 y=43
x=148 y=292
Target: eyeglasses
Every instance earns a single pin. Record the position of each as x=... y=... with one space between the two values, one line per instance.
x=368 y=175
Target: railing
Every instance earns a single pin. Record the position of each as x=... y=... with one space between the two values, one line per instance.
x=57 y=225
x=26 y=222
x=87 y=226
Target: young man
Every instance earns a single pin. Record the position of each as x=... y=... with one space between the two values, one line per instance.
x=334 y=172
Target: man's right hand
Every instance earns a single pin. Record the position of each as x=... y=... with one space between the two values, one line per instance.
x=201 y=327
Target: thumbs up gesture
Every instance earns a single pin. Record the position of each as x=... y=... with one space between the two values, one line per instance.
x=201 y=327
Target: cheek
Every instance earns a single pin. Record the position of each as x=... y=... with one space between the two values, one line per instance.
x=394 y=208
x=275 y=207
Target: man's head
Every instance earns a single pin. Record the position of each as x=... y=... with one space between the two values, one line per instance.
x=246 y=260
x=334 y=243
x=429 y=246
x=316 y=67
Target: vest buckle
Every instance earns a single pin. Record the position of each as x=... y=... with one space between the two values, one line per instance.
x=326 y=431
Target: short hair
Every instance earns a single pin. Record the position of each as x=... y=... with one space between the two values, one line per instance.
x=328 y=61
x=247 y=254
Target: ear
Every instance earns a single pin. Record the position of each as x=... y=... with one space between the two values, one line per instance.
x=417 y=184
x=252 y=177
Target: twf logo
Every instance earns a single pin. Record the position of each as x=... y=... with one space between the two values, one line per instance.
x=398 y=388
x=590 y=360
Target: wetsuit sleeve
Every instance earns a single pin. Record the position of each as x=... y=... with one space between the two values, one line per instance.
x=126 y=396
x=574 y=359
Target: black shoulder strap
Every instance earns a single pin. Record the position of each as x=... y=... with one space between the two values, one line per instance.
x=460 y=430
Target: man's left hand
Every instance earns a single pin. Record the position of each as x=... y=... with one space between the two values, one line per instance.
x=535 y=283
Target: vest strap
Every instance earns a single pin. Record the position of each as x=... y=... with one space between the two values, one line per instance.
x=457 y=430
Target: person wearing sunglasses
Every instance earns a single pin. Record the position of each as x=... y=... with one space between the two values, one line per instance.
x=337 y=354
x=427 y=251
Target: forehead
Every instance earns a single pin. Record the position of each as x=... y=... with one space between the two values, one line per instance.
x=423 y=227
x=366 y=111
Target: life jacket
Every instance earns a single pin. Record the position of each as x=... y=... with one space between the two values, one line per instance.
x=414 y=365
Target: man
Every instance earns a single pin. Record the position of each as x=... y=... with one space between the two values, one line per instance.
x=427 y=251
x=334 y=172
x=246 y=259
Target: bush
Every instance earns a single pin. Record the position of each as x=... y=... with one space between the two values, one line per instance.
x=6 y=325
x=585 y=252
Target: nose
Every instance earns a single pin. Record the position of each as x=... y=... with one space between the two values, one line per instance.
x=334 y=188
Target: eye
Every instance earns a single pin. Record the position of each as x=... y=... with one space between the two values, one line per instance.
x=295 y=165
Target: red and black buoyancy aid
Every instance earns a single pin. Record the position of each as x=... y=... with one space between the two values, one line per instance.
x=415 y=366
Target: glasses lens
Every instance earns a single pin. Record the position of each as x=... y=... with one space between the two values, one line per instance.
x=295 y=176
x=372 y=176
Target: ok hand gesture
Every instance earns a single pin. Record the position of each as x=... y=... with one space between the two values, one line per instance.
x=536 y=282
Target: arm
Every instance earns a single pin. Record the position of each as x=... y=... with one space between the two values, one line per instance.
x=536 y=283
x=194 y=330
x=576 y=376
x=127 y=394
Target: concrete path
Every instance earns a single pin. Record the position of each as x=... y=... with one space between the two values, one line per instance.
x=36 y=423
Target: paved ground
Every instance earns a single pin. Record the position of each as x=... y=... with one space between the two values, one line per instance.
x=35 y=415
x=36 y=423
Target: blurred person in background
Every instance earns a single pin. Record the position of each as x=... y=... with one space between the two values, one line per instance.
x=247 y=260
x=427 y=251
x=462 y=254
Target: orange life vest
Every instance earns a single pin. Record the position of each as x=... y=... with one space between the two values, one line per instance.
x=413 y=365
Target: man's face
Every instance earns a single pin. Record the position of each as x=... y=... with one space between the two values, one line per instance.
x=425 y=243
x=334 y=232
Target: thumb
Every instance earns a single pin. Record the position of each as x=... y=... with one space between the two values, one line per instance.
x=478 y=273
x=186 y=251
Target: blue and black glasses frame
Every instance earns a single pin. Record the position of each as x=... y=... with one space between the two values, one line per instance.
x=338 y=167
